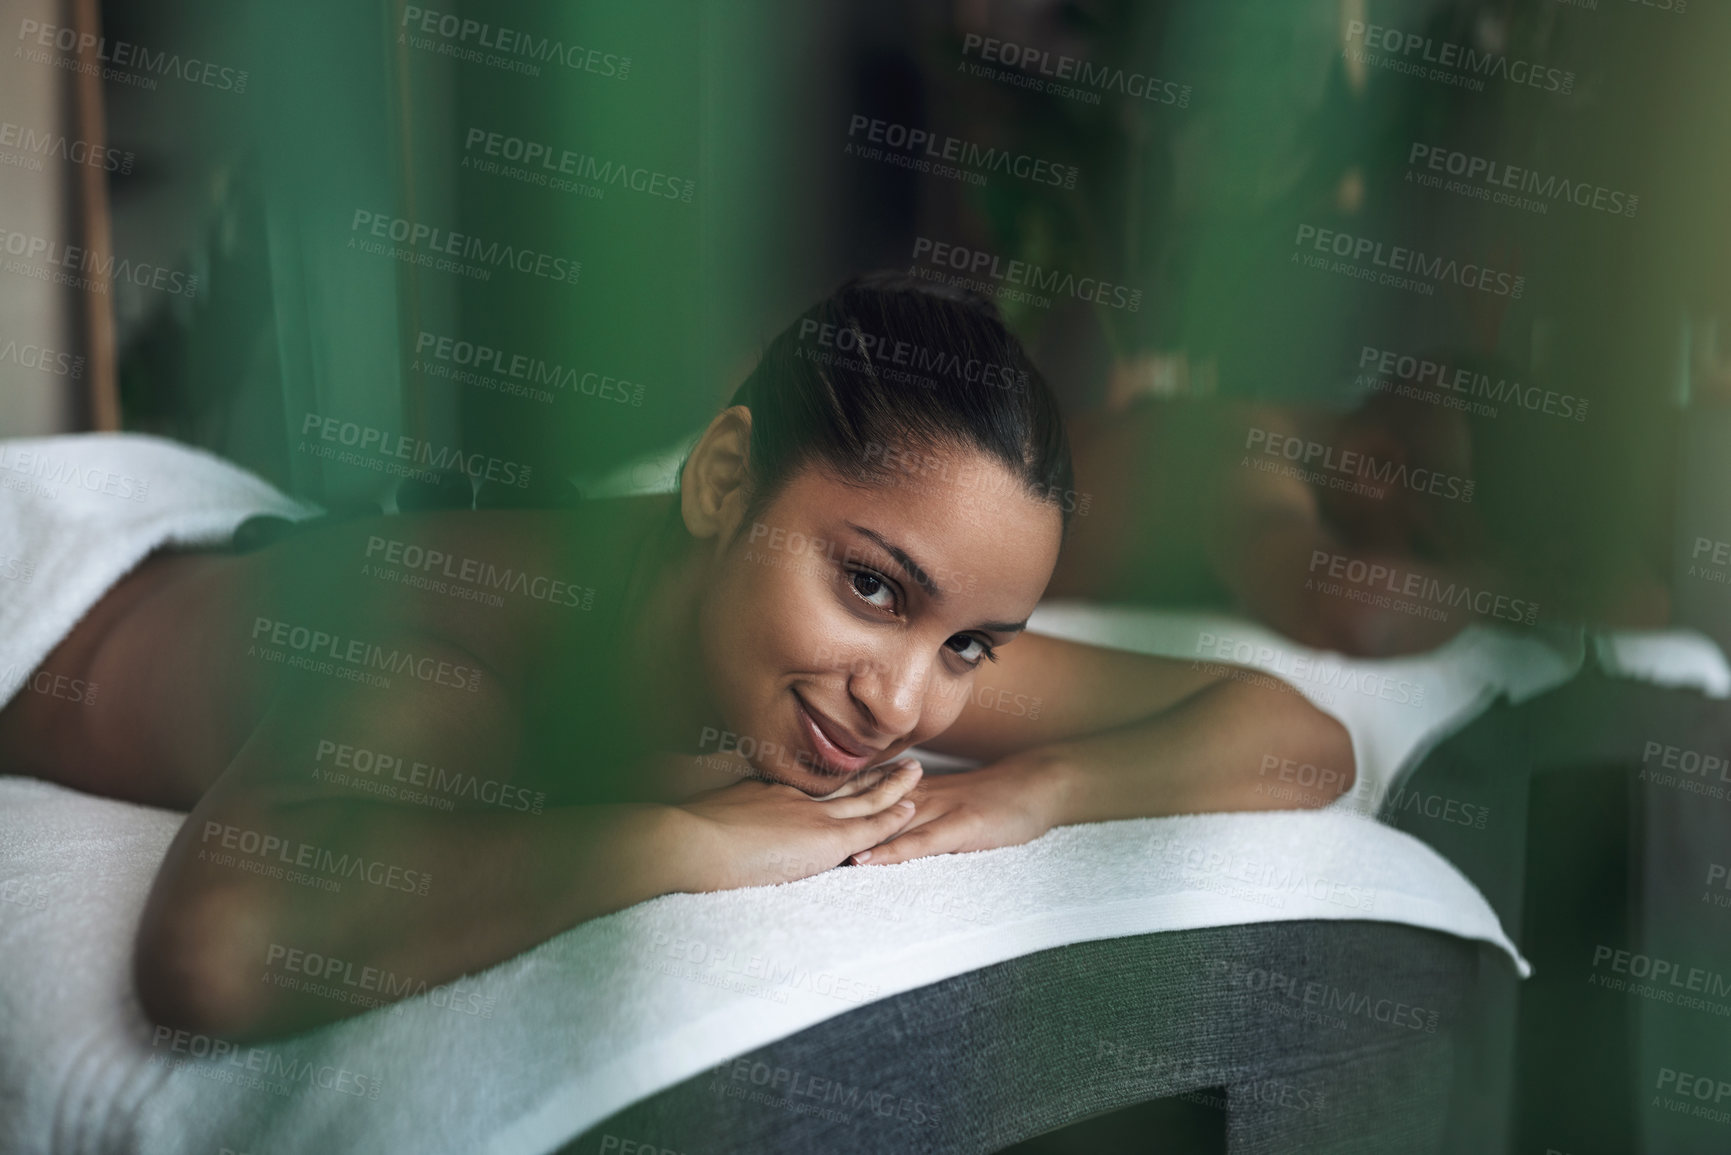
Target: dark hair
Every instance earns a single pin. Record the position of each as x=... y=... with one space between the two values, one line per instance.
x=890 y=369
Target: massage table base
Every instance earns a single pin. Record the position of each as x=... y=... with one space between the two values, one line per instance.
x=991 y=1058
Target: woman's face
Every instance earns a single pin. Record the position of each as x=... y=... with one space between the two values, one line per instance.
x=844 y=624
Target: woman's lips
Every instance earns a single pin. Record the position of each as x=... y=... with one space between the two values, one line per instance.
x=840 y=753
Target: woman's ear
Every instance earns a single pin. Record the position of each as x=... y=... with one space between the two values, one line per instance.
x=714 y=487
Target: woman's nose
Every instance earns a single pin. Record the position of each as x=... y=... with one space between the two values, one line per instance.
x=892 y=692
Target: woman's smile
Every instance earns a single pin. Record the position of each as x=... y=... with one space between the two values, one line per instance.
x=834 y=749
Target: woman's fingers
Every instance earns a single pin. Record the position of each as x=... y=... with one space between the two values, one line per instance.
x=931 y=838
x=888 y=790
x=880 y=827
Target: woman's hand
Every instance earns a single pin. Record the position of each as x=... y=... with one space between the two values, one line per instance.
x=1005 y=804
x=753 y=833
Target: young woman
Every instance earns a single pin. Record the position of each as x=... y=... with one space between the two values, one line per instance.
x=426 y=742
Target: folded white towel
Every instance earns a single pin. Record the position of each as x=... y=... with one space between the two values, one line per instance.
x=532 y=1052
x=77 y=513
x=1395 y=709
x=1683 y=659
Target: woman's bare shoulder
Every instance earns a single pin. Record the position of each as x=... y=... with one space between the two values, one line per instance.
x=107 y=710
x=177 y=662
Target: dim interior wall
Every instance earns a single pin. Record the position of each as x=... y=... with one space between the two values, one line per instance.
x=34 y=316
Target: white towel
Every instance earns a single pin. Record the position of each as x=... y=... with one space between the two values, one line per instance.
x=1680 y=659
x=77 y=513
x=1395 y=709
x=532 y=1052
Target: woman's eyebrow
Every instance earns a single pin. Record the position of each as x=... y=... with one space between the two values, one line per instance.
x=908 y=564
x=919 y=575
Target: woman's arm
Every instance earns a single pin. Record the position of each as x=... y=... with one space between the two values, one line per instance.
x=1228 y=747
x=1044 y=690
x=282 y=880
x=279 y=861
x=229 y=938
x=1169 y=739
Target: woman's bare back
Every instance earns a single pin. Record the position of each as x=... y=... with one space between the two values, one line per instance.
x=180 y=659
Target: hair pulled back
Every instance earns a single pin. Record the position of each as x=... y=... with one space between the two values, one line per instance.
x=887 y=374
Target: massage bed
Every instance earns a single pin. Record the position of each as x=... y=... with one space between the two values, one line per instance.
x=1278 y=981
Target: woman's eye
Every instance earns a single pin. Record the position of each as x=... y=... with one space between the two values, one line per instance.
x=873 y=589
x=971 y=649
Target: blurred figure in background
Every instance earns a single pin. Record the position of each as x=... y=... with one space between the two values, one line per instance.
x=1384 y=529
